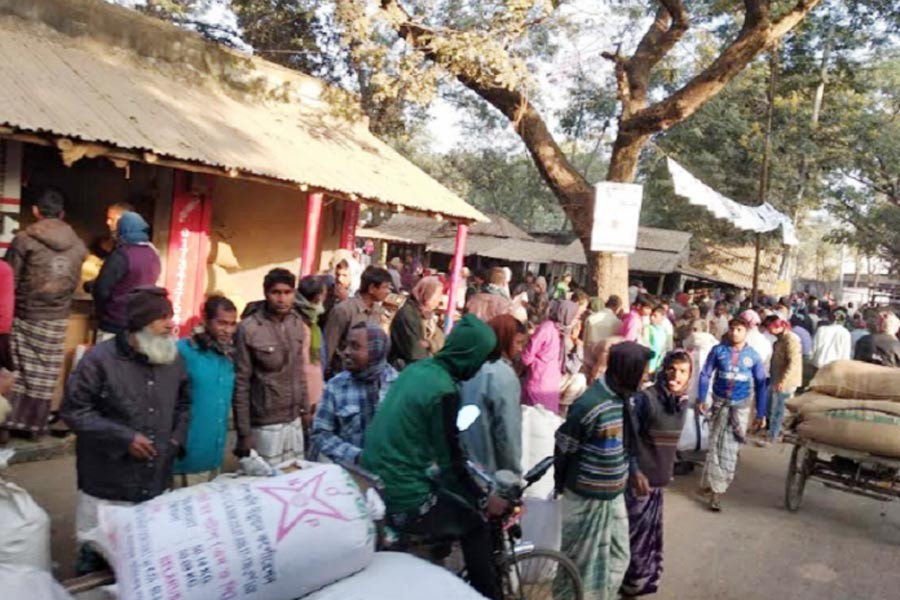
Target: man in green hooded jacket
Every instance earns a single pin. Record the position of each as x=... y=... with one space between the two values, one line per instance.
x=415 y=431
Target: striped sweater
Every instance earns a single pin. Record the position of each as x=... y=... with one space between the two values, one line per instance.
x=590 y=455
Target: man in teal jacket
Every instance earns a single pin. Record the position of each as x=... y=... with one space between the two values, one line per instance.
x=413 y=446
x=207 y=355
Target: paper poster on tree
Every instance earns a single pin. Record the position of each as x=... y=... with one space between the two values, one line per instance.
x=617 y=211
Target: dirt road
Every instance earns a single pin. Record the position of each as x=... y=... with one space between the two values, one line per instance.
x=838 y=547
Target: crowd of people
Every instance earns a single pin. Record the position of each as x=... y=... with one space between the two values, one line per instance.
x=352 y=366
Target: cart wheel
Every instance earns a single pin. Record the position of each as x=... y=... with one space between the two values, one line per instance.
x=798 y=471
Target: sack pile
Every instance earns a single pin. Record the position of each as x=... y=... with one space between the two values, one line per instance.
x=539 y=427
x=853 y=405
x=266 y=538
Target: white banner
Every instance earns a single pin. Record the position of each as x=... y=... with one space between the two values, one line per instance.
x=617 y=211
x=760 y=219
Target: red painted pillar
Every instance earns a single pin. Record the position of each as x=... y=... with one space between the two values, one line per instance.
x=351 y=219
x=459 y=253
x=314 y=203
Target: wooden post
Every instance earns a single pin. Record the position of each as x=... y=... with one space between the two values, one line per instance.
x=459 y=253
x=764 y=169
x=311 y=232
x=348 y=231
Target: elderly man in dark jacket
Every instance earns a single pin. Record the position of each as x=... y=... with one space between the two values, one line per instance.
x=128 y=402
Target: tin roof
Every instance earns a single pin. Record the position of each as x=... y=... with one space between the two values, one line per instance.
x=159 y=89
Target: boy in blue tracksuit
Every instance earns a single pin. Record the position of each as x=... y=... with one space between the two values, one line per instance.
x=736 y=371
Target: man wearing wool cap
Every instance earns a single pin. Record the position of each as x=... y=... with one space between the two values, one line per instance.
x=128 y=401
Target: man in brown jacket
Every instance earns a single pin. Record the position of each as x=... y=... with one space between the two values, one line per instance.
x=46 y=262
x=365 y=307
x=271 y=404
x=787 y=370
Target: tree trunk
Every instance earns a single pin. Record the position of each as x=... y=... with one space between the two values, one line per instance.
x=609 y=272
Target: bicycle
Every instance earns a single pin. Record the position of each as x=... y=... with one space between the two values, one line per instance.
x=524 y=571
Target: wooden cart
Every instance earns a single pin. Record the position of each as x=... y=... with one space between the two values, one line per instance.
x=850 y=471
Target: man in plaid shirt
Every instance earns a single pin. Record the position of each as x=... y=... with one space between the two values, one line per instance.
x=351 y=397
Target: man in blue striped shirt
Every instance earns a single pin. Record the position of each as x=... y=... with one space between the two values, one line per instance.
x=351 y=397
x=736 y=371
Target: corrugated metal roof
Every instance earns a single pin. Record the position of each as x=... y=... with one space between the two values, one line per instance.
x=499 y=227
x=500 y=248
x=420 y=230
x=407 y=228
x=643 y=259
x=658 y=251
x=80 y=88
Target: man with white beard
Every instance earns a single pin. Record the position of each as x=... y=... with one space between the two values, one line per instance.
x=128 y=401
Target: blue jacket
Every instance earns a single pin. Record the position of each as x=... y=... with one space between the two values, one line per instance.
x=211 y=377
x=735 y=371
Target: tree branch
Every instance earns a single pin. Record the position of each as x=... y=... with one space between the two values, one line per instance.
x=757 y=35
x=572 y=190
x=667 y=29
x=756 y=13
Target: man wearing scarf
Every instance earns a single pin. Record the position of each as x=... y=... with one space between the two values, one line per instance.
x=208 y=356
x=591 y=473
x=310 y=303
x=132 y=264
x=414 y=326
x=351 y=397
x=656 y=417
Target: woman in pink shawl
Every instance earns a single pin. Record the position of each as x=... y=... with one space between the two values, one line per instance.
x=544 y=357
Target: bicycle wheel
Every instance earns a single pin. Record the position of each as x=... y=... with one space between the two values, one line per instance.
x=542 y=575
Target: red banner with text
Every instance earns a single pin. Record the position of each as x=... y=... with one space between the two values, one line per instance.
x=188 y=249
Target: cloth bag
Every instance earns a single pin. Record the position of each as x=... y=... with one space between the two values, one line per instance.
x=539 y=427
x=695 y=435
x=24 y=527
x=23 y=582
x=397 y=576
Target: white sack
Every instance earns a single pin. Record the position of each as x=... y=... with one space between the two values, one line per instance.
x=539 y=427
x=24 y=529
x=272 y=538
x=397 y=576
x=695 y=427
x=23 y=582
x=542 y=526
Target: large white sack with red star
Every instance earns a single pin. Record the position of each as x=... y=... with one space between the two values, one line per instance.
x=263 y=538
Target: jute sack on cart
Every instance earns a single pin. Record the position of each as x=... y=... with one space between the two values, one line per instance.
x=857 y=380
x=266 y=538
x=866 y=425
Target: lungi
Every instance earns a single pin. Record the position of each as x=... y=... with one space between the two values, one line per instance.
x=595 y=537
x=729 y=428
x=279 y=443
x=183 y=480
x=37 y=351
x=645 y=524
x=87 y=511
